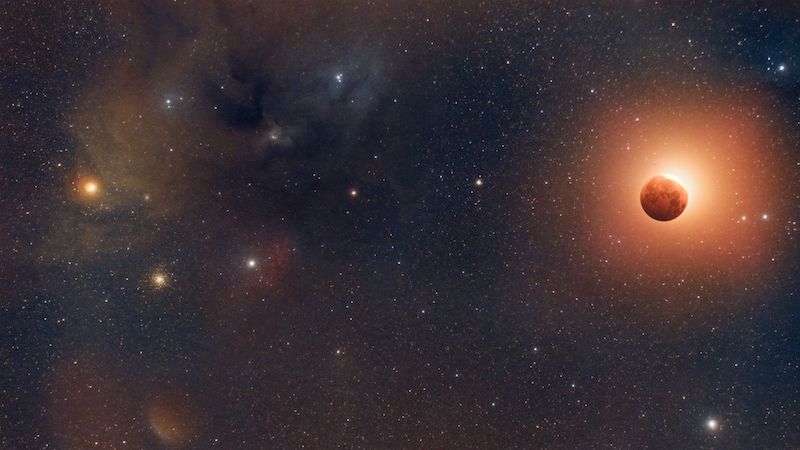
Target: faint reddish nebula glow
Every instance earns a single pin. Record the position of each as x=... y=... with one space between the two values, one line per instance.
x=268 y=257
x=172 y=419
x=726 y=155
x=272 y=261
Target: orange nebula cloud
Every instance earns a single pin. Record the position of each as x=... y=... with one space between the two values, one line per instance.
x=172 y=419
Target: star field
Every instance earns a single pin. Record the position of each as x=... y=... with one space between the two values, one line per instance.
x=370 y=224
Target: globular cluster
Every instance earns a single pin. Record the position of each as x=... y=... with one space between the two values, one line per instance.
x=371 y=224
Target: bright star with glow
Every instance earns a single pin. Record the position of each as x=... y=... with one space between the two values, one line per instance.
x=88 y=188
x=159 y=279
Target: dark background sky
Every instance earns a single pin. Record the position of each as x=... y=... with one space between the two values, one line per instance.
x=375 y=224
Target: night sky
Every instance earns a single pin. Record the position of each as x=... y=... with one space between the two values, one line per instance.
x=407 y=224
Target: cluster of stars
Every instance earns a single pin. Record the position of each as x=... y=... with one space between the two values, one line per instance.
x=159 y=279
x=169 y=103
x=772 y=66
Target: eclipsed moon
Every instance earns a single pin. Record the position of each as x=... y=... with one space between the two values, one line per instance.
x=664 y=197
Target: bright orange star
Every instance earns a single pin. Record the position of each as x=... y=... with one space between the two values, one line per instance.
x=88 y=187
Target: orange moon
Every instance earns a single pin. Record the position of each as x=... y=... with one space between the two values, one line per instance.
x=664 y=197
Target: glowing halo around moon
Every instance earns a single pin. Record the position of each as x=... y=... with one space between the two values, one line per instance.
x=724 y=156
